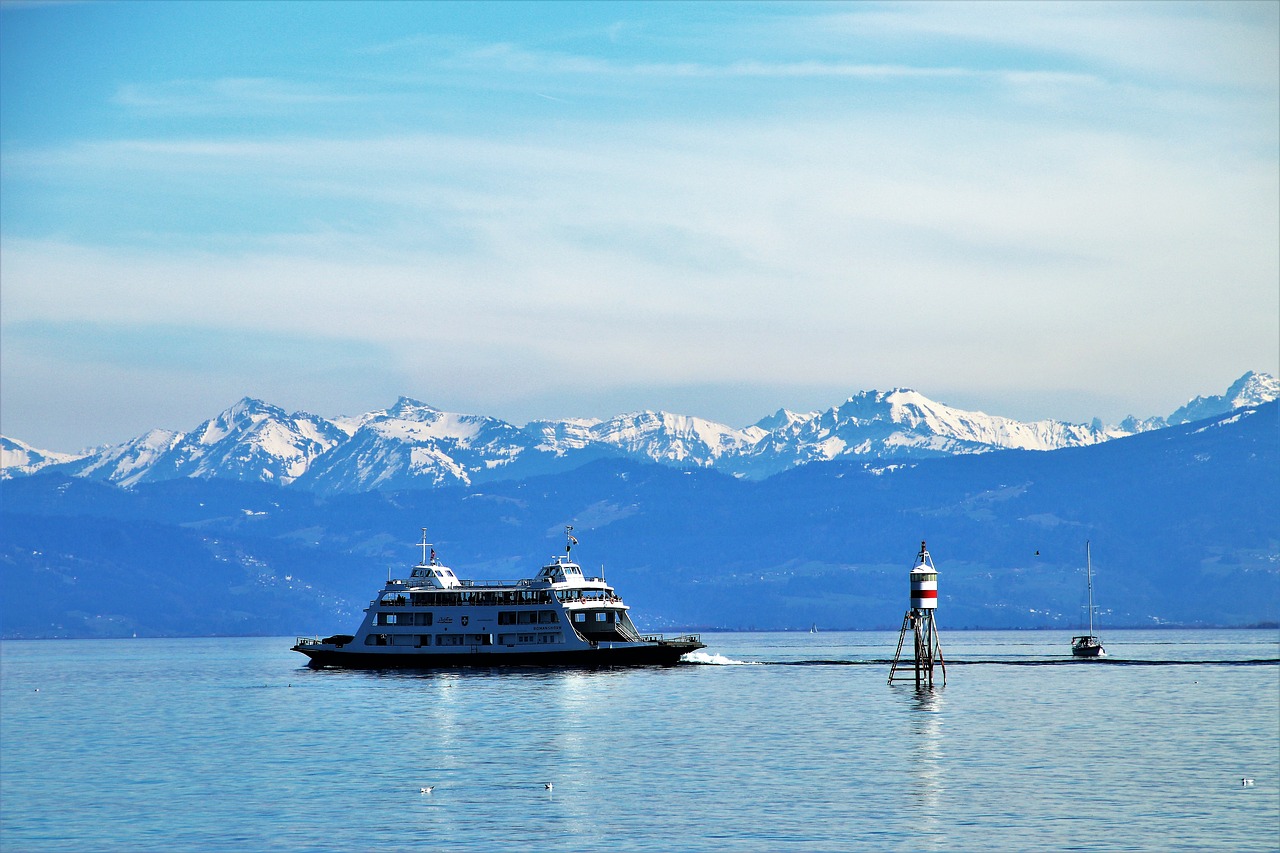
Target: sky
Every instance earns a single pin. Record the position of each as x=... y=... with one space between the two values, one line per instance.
x=551 y=210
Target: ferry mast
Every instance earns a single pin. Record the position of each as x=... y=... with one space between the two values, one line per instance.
x=919 y=621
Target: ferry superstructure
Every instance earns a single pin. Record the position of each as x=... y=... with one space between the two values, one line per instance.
x=433 y=618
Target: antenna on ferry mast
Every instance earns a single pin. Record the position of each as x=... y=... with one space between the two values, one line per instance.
x=570 y=541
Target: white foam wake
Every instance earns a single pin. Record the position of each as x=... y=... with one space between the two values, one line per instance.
x=714 y=660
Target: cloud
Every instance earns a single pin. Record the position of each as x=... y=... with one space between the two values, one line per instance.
x=988 y=197
x=1215 y=44
x=188 y=348
x=230 y=95
x=626 y=259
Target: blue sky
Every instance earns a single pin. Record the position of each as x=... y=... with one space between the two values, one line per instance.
x=550 y=210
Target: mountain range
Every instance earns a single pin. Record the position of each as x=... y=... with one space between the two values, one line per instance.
x=1183 y=523
x=412 y=445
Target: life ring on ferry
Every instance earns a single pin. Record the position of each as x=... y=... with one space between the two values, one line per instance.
x=465 y=619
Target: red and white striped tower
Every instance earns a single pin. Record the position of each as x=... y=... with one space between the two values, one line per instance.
x=920 y=622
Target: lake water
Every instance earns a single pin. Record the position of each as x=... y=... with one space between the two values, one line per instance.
x=775 y=742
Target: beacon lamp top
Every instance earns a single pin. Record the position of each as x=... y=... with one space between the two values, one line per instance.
x=924 y=582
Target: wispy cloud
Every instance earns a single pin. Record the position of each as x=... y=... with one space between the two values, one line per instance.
x=236 y=95
x=226 y=349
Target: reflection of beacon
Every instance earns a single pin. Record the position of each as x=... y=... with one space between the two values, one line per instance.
x=919 y=621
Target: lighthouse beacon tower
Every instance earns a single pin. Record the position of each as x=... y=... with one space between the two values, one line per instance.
x=924 y=582
x=919 y=621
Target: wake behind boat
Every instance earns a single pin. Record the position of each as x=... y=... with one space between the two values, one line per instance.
x=559 y=617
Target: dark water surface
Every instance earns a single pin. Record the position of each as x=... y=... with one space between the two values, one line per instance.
x=778 y=741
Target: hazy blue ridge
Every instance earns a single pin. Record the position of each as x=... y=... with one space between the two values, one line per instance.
x=1183 y=523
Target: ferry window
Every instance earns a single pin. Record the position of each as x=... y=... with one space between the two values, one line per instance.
x=547 y=617
x=506 y=617
x=579 y=617
x=602 y=617
x=528 y=618
x=448 y=639
x=422 y=618
x=526 y=638
x=550 y=638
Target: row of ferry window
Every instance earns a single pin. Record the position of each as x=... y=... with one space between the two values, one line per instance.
x=527 y=617
x=420 y=640
x=505 y=617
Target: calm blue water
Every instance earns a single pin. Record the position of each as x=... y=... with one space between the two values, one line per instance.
x=232 y=744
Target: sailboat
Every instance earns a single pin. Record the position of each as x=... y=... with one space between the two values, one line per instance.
x=1088 y=645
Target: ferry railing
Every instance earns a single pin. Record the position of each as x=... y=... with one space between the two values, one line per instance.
x=522 y=583
x=489 y=597
x=663 y=638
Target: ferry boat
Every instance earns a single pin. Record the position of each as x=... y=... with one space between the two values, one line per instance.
x=433 y=618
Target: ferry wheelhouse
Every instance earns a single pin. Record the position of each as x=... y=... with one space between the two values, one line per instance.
x=433 y=618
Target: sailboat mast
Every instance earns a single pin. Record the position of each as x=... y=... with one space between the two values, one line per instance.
x=1088 y=568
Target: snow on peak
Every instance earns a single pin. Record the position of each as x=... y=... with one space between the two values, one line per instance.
x=1251 y=389
x=240 y=416
x=663 y=436
x=408 y=408
x=19 y=458
x=412 y=444
x=781 y=418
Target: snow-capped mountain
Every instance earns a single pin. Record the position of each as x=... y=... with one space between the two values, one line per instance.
x=251 y=441
x=126 y=464
x=902 y=424
x=18 y=458
x=678 y=440
x=1252 y=389
x=413 y=445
